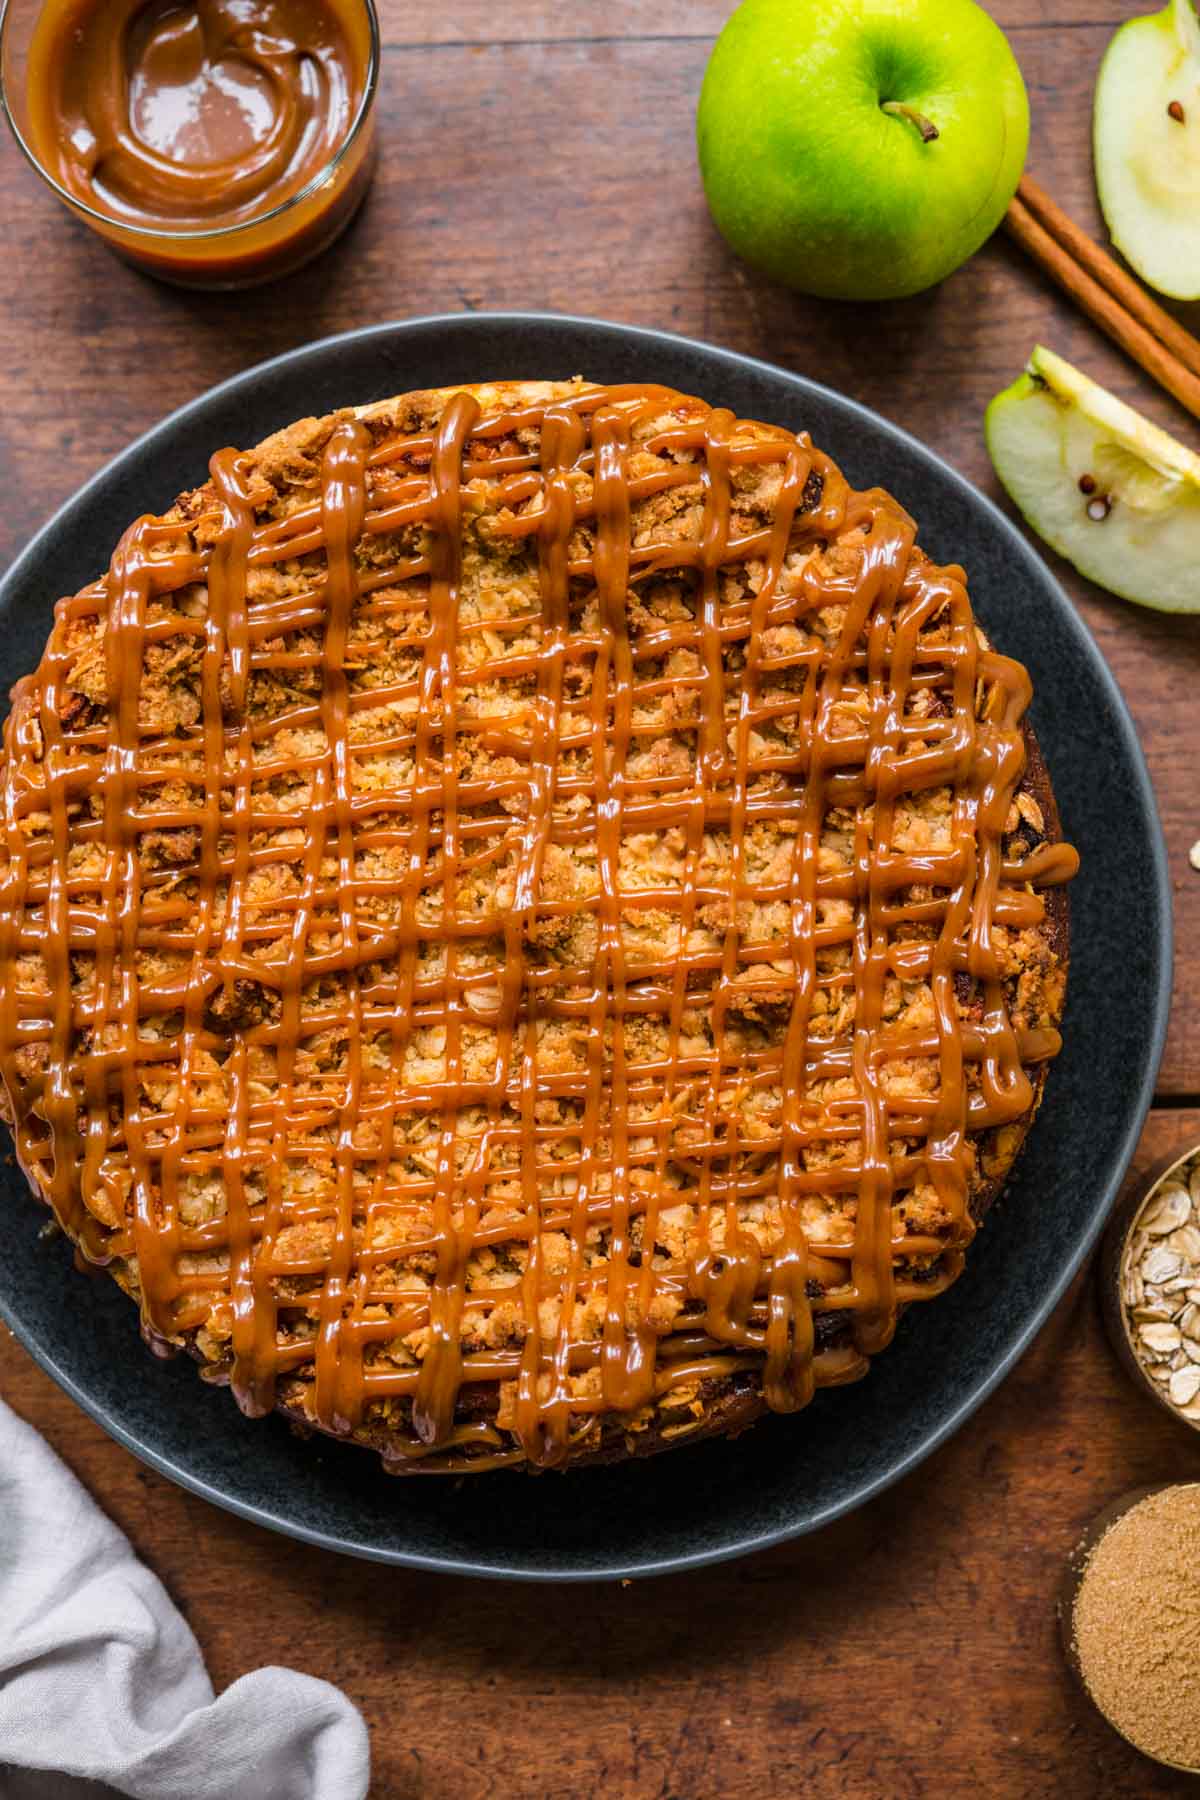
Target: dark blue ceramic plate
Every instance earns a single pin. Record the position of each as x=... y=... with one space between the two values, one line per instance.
x=786 y=1475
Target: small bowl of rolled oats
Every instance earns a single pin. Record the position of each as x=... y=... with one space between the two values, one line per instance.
x=1150 y=1285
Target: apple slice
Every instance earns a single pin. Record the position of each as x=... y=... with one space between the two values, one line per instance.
x=1102 y=485
x=1146 y=144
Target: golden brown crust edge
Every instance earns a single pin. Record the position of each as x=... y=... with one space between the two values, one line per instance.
x=731 y=1404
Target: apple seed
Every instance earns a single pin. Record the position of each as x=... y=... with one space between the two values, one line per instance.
x=1087 y=484
x=1175 y=111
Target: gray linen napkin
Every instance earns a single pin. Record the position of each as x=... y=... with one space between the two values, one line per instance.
x=101 y=1681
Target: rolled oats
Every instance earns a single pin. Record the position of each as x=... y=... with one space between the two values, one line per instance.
x=1160 y=1288
x=1160 y=1265
x=1171 y=1208
x=1184 y=1385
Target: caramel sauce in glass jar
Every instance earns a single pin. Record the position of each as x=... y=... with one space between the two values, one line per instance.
x=214 y=142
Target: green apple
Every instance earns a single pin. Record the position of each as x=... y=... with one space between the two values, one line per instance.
x=860 y=149
x=1146 y=144
x=1102 y=485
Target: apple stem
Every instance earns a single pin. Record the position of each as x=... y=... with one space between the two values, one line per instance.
x=926 y=127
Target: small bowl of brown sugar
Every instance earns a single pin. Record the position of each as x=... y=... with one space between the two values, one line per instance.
x=1130 y=1620
x=1150 y=1285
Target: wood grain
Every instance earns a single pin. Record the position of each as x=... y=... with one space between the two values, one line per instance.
x=907 y=1652
x=541 y=156
x=553 y=170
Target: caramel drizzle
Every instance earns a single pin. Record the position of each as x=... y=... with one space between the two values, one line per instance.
x=746 y=1308
x=82 y=58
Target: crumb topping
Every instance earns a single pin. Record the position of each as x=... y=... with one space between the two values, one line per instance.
x=522 y=913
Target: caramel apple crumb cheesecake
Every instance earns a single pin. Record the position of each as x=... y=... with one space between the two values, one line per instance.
x=532 y=926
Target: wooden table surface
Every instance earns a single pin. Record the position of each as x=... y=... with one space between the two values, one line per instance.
x=537 y=155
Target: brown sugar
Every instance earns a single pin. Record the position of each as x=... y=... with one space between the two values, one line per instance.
x=1136 y=1625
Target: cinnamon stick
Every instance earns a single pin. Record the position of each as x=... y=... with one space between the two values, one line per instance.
x=1109 y=273
x=1167 y=353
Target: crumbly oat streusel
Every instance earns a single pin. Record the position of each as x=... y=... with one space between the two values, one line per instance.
x=522 y=932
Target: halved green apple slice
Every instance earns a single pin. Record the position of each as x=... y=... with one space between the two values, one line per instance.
x=1102 y=485
x=1146 y=144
